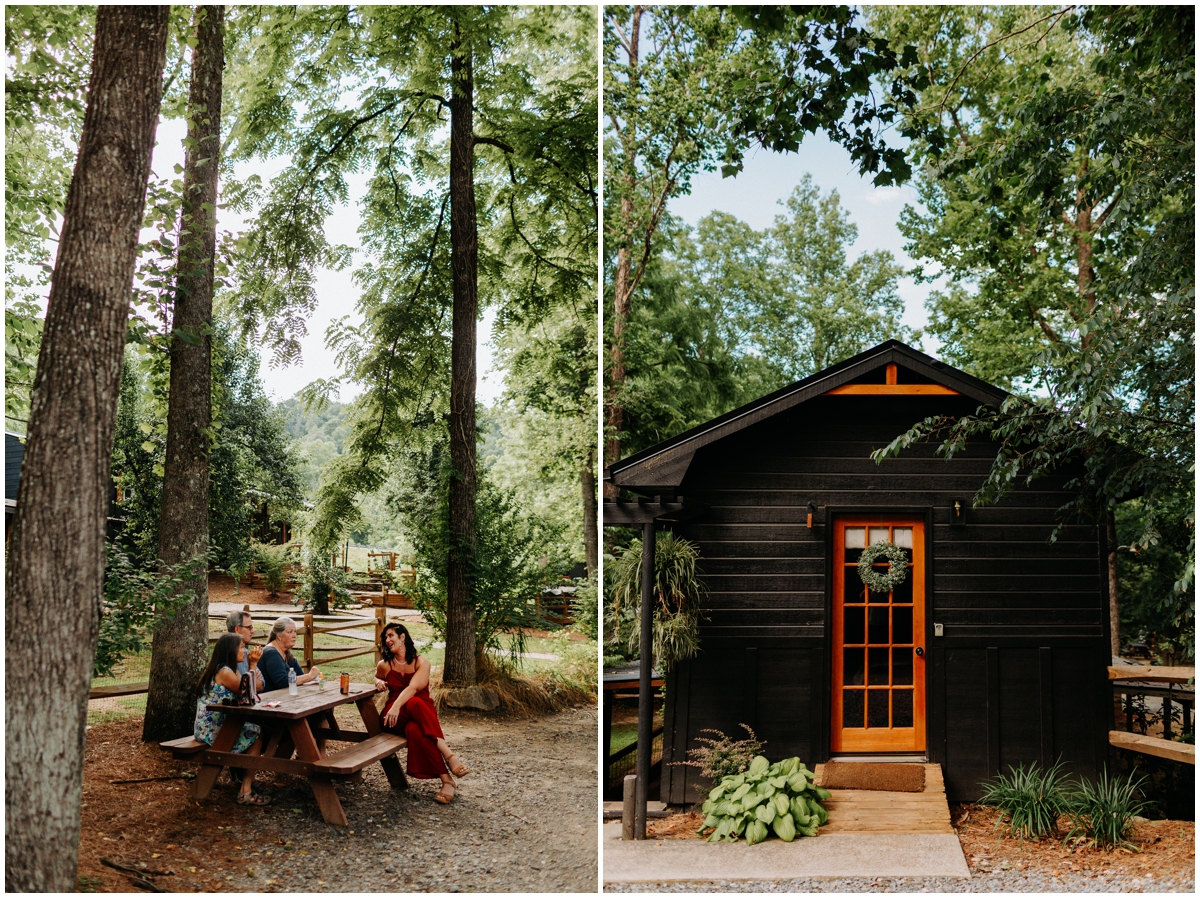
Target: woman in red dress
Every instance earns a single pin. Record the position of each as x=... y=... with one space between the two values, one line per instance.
x=409 y=711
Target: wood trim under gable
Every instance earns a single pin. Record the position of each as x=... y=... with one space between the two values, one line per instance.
x=892 y=390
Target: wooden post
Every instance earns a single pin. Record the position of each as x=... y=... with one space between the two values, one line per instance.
x=308 y=641
x=628 y=800
x=645 y=729
x=380 y=623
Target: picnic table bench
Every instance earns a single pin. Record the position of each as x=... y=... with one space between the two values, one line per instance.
x=300 y=726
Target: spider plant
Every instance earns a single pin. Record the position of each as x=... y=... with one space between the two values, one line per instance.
x=678 y=590
x=1104 y=811
x=1030 y=800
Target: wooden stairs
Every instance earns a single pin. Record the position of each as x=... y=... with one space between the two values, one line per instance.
x=865 y=811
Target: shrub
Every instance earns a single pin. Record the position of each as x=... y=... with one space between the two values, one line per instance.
x=781 y=796
x=134 y=600
x=509 y=568
x=585 y=610
x=723 y=756
x=1104 y=811
x=270 y=561
x=323 y=586
x=1030 y=801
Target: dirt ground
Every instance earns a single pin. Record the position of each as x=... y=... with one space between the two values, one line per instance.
x=1161 y=844
x=525 y=819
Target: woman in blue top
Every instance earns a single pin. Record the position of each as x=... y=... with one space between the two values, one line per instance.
x=277 y=657
x=220 y=681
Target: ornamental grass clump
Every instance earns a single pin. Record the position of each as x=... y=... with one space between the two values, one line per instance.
x=1030 y=801
x=1104 y=811
x=778 y=798
x=722 y=756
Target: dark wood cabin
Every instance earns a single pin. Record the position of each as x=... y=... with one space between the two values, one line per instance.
x=992 y=653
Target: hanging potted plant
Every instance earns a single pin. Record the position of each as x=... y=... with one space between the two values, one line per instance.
x=678 y=590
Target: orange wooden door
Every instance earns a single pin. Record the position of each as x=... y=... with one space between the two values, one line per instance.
x=878 y=641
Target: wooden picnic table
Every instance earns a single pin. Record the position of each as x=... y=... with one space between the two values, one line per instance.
x=302 y=725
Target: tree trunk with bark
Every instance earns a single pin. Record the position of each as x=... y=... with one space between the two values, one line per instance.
x=459 y=667
x=55 y=571
x=623 y=281
x=591 y=539
x=180 y=649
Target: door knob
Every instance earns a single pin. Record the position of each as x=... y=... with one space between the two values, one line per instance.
x=920 y=651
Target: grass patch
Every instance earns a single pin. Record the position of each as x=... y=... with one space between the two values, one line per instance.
x=568 y=679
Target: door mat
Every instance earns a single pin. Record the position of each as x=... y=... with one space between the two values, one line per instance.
x=875 y=777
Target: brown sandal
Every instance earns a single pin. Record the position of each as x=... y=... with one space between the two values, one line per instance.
x=442 y=797
x=461 y=770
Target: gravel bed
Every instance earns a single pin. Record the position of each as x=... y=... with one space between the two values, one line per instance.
x=524 y=820
x=1012 y=881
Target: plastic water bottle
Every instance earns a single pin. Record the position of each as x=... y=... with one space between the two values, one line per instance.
x=292 y=690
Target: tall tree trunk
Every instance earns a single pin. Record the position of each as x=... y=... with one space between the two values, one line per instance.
x=55 y=572
x=464 y=262
x=1114 y=606
x=587 y=481
x=615 y=412
x=181 y=644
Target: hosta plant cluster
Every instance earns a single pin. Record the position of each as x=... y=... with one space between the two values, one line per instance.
x=779 y=798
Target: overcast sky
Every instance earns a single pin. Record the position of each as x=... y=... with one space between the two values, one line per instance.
x=753 y=196
x=337 y=294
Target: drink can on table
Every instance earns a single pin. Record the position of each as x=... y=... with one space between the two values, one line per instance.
x=345 y=684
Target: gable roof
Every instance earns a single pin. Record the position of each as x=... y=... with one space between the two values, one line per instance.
x=664 y=464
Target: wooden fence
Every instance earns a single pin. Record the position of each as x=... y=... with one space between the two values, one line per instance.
x=306 y=644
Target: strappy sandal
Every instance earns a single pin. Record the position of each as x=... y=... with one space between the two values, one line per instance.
x=253 y=798
x=461 y=770
x=442 y=797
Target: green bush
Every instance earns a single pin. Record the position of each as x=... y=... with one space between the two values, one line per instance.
x=1104 y=811
x=323 y=586
x=510 y=562
x=1030 y=801
x=585 y=608
x=270 y=561
x=133 y=600
x=780 y=796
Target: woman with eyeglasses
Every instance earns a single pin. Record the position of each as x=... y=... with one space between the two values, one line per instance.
x=409 y=711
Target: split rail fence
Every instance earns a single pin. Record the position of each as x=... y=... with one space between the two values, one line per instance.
x=313 y=625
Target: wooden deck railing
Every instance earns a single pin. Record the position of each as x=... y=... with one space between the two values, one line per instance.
x=1168 y=683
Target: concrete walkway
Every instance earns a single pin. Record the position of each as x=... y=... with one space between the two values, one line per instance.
x=828 y=855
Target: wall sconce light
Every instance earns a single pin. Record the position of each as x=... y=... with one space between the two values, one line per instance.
x=957 y=514
x=812 y=509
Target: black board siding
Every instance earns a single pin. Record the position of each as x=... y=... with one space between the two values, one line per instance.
x=1019 y=673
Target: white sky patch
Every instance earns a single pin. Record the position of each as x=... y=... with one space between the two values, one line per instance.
x=337 y=294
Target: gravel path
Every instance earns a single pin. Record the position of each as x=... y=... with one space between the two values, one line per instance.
x=524 y=821
x=1012 y=881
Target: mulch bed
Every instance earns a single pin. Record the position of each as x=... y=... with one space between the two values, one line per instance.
x=874 y=777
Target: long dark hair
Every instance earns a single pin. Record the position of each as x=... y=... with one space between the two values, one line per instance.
x=410 y=648
x=224 y=654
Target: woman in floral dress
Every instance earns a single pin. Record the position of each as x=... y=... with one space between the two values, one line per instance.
x=220 y=681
